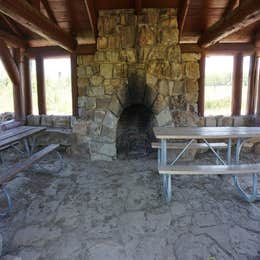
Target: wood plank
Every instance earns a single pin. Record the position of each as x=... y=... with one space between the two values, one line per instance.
x=26 y=15
x=241 y=17
x=40 y=85
x=21 y=136
x=14 y=131
x=210 y=169
x=205 y=132
x=237 y=84
x=192 y=146
x=7 y=175
x=182 y=14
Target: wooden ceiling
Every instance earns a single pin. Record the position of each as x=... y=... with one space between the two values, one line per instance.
x=76 y=19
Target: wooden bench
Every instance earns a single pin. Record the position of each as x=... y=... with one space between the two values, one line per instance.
x=210 y=169
x=235 y=170
x=9 y=173
x=193 y=146
x=203 y=146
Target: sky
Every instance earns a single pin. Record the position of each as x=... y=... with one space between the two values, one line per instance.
x=223 y=63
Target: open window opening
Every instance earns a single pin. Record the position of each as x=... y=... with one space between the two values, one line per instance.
x=57 y=74
x=218 y=85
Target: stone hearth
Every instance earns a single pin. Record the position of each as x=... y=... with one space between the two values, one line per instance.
x=138 y=61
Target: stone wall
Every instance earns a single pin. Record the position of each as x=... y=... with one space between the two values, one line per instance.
x=138 y=61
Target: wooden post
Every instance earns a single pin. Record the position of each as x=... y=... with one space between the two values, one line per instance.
x=26 y=83
x=252 y=85
x=74 y=87
x=257 y=88
x=40 y=85
x=201 y=98
x=237 y=84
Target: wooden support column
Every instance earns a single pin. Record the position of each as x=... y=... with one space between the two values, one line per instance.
x=74 y=85
x=237 y=84
x=257 y=88
x=13 y=73
x=201 y=98
x=252 y=85
x=40 y=85
x=26 y=82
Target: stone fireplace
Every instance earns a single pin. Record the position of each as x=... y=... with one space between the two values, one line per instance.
x=138 y=78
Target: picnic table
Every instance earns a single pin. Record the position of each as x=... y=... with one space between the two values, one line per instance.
x=190 y=135
x=25 y=135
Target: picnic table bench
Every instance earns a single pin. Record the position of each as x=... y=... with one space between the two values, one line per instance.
x=27 y=135
x=208 y=133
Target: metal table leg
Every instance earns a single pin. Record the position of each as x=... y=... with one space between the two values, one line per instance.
x=246 y=196
x=167 y=186
x=5 y=212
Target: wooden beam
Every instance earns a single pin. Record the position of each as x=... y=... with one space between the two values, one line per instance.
x=241 y=17
x=138 y=7
x=49 y=11
x=252 y=85
x=55 y=51
x=12 y=26
x=26 y=83
x=10 y=66
x=74 y=84
x=182 y=14
x=29 y=17
x=13 y=73
x=201 y=98
x=40 y=85
x=12 y=40
x=237 y=84
x=92 y=15
x=231 y=5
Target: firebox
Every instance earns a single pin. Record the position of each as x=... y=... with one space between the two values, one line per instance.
x=134 y=132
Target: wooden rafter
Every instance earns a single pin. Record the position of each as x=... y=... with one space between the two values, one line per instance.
x=241 y=17
x=92 y=15
x=182 y=14
x=231 y=5
x=12 y=40
x=29 y=17
x=11 y=25
x=49 y=11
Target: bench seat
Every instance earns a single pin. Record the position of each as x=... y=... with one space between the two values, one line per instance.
x=8 y=174
x=210 y=169
x=156 y=145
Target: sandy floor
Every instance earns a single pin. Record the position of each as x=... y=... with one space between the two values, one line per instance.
x=115 y=210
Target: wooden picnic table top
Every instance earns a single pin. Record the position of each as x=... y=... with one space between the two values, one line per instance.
x=18 y=133
x=205 y=132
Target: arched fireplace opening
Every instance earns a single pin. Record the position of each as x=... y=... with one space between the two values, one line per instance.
x=135 y=132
